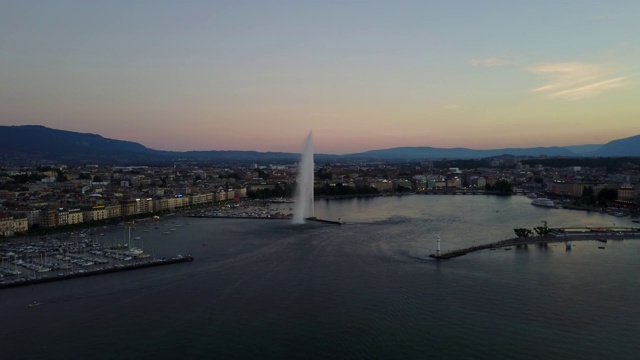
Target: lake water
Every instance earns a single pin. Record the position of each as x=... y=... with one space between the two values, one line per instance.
x=267 y=289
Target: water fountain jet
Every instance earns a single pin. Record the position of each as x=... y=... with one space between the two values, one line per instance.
x=304 y=184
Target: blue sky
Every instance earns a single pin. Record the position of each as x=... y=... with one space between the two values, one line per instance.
x=259 y=75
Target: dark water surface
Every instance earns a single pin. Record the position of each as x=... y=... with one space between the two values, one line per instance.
x=266 y=289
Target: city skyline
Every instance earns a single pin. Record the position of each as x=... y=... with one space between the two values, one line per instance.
x=361 y=75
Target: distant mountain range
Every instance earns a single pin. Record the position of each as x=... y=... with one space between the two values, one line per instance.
x=32 y=144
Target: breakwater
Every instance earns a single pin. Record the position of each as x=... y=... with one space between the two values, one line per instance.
x=334 y=222
x=242 y=217
x=325 y=221
x=84 y=273
x=556 y=237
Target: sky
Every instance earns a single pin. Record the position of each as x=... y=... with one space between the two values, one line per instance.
x=362 y=75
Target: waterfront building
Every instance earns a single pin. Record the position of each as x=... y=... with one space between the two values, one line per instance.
x=34 y=217
x=75 y=216
x=198 y=199
x=571 y=188
x=454 y=183
x=62 y=217
x=627 y=193
x=240 y=192
x=160 y=204
x=49 y=218
x=10 y=225
x=144 y=206
x=128 y=207
x=482 y=182
x=98 y=212
x=113 y=211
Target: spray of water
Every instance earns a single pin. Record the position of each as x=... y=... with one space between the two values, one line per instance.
x=304 y=184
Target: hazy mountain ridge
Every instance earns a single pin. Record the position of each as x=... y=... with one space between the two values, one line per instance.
x=583 y=149
x=412 y=153
x=34 y=143
x=617 y=148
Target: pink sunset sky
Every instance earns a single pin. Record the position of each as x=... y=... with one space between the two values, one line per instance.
x=247 y=75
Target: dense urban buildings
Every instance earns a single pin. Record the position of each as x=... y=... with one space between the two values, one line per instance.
x=53 y=196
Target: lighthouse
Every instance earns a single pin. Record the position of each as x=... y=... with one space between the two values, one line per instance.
x=438 y=250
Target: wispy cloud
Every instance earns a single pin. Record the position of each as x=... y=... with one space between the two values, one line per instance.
x=574 y=81
x=489 y=62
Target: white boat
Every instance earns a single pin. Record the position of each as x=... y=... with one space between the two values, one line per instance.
x=544 y=202
x=135 y=251
x=531 y=195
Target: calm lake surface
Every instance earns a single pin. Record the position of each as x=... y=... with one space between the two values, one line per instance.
x=267 y=289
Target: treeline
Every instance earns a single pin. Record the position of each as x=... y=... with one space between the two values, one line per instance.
x=539 y=230
x=502 y=185
x=280 y=190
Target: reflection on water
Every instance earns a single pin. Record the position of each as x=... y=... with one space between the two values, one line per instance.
x=367 y=289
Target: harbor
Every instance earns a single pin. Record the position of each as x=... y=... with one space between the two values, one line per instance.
x=88 y=252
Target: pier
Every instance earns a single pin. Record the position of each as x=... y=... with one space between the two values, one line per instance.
x=325 y=221
x=77 y=274
x=313 y=218
x=557 y=235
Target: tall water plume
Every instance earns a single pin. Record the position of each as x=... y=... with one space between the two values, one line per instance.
x=304 y=184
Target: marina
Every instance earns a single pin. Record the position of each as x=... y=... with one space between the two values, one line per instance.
x=84 y=253
x=97 y=271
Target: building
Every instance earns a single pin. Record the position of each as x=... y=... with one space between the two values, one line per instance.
x=10 y=225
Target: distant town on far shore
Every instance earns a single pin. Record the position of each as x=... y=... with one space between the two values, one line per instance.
x=40 y=199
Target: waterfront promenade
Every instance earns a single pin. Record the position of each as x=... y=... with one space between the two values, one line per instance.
x=557 y=236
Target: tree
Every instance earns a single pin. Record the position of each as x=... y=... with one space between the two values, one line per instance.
x=502 y=185
x=606 y=195
x=588 y=196
x=60 y=177
x=542 y=230
x=523 y=233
